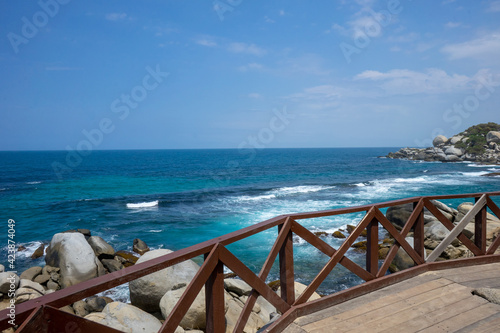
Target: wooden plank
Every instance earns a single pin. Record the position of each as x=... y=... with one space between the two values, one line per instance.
x=418 y=230
x=431 y=319
x=489 y=326
x=480 y=229
x=463 y=319
x=431 y=286
x=372 y=247
x=215 y=300
x=457 y=229
x=474 y=276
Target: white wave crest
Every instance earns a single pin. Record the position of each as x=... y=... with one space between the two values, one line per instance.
x=142 y=205
x=30 y=248
x=33 y=183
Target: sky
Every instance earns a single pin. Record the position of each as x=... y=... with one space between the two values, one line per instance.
x=84 y=75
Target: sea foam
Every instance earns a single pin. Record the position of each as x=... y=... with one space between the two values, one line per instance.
x=142 y=205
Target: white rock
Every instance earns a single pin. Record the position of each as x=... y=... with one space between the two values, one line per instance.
x=100 y=246
x=456 y=139
x=8 y=279
x=240 y=287
x=454 y=151
x=74 y=256
x=493 y=136
x=440 y=139
x=147 y=291
x=28 y=290
x=126 y=318
x=299 y=289
x=195 y=317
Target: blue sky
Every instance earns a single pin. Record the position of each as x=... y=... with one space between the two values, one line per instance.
x=241 y=73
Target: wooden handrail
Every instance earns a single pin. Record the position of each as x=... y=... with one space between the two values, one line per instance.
x=290 y=305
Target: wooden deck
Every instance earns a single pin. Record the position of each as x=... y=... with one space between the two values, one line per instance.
x=438 y=301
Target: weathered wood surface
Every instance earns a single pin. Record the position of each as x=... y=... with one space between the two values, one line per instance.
x=436 y=301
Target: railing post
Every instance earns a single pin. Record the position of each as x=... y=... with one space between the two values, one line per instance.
x=372 y=247
x=418 y=233
x=286 y=268
x=480 y=229
x=214 y=300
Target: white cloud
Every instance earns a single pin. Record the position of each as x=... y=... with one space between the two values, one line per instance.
x=282 y=12
x=206 y=42
x=494 y=7
x=395 y=49
x=255 y=95
x=250 y=67
x=407 y=82
x=452 y=25
x=246 y=48
x=484 y=47
x=116 y=16
x=268 y=20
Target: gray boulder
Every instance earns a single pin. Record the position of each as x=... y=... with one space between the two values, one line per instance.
x=436 y=231
x=237 y=286
x=195 y=316
x=28 y=290
x=402 y=260
x=147 y=291
x=490 y=294
x=398 y=215
x=101 y=248
x=493 y=136
x=8 y=279
x=75 y=257
x=31 y=273
x=126 y=318
x=438 y=140
x=456 y=138
x=140 y=247
x=454 y=151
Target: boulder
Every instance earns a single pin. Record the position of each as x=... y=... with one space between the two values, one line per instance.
x=237 y=286
x=454 y=151
x=42 y=278
x=112 y=265
x=402 y=260
x=2 y=268
x=80 y=308
x=38 y=252
x=490 y=294
x=439 y=140
x=493 y=136
x=234 y=308
x=140 y=247
x=101 y=248
x=129 y=258
x=31 y=273
x=28 y=290
x=338 y=234
x=96 y=304
x=147 y=291
x=456 y=138
x=195 y=316
x=52 y=285
x=126 y=318
x=452 y=158
x=75 y=257
x=299 y=289
x=436 y=231
x=6 y=280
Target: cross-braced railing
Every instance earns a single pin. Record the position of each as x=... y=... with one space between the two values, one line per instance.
x=43 y=312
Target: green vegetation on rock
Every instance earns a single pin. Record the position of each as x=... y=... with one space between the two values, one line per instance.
x=476 y=138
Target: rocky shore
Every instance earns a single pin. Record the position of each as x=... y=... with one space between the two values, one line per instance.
x=478 y=144
x=75 y=256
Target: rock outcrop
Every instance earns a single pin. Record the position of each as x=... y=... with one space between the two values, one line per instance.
x=480 y=144
x=75 y=257
x=147 y=291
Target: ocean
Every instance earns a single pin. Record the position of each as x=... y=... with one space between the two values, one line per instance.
x=177 y=198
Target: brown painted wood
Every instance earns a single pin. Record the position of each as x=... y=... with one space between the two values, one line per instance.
x=287 y=279
x=321 y=245
x=264 y=272
x=253 y=281
x=34 y=323
x=372 y=247
x=397 y=236
x=337 y=256
x=494 y=208
x=480 y=229
x=193 y=289
x=467 y=242
x=215 y=300
x=418 y=231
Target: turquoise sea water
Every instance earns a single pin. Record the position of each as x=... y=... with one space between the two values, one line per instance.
x=176 y=198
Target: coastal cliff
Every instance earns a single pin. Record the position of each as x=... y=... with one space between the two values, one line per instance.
x=479 y=143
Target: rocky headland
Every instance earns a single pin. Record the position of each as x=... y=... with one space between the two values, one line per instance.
x=478 y=144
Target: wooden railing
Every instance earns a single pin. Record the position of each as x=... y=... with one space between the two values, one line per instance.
x=42 y=314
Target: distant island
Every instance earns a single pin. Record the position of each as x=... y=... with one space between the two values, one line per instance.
x=478 y=144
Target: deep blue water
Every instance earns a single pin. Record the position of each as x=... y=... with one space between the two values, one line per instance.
x=203 y=194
